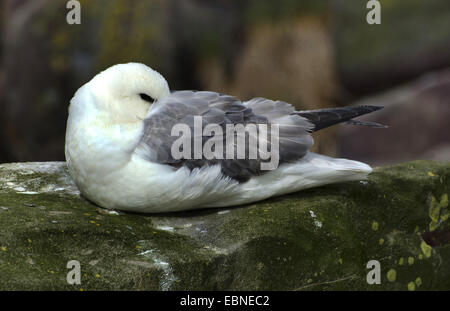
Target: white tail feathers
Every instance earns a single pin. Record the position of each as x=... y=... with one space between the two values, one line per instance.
x=312 y=170
x=329 y=170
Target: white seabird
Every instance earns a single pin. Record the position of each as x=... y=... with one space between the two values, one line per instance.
x=118 y=145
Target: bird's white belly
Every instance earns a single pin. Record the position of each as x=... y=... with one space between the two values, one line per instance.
x=108 y=171
x=143 y=186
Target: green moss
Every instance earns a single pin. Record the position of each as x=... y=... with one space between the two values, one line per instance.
x=270 y=245
x=391 y=275
x=444 y=200
x=375 y=226
x=418 y=281
x=435 y=209
x=426 y=249
x=444 y=207
x=438 y=211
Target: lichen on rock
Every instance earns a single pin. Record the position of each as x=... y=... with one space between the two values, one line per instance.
x=317 y=239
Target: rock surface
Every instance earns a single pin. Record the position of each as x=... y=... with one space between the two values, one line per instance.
x=319 y=239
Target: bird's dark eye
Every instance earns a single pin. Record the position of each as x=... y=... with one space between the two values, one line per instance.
x=147 y=98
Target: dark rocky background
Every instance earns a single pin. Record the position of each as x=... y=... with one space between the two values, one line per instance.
x=310 y=53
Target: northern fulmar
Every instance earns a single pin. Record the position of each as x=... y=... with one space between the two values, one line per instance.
x=125 y=151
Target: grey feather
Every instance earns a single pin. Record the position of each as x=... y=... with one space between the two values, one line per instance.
x=294 y=127
x=182 y=106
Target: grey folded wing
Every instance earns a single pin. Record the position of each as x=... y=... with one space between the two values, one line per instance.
x=181 y=107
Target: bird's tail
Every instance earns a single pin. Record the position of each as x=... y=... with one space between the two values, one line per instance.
x=322 y=118
x=311 y=171
x=317 y=170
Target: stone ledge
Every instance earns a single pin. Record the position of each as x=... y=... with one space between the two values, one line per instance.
x=318 y=239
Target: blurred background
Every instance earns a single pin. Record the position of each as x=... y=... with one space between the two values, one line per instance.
x=310 y=53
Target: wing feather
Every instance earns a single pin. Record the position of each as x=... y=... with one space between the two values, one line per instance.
x=182 y=106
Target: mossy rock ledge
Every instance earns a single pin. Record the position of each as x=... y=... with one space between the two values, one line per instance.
x=317 y=239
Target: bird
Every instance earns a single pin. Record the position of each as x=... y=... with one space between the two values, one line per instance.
x=119 y=145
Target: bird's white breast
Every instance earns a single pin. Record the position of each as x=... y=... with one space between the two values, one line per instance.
x=107 y=168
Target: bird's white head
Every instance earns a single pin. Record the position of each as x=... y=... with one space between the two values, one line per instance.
x=122 y=93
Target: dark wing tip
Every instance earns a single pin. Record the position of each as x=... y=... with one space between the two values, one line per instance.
x=372 y=108
x=322 y=118
x=366 y=123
